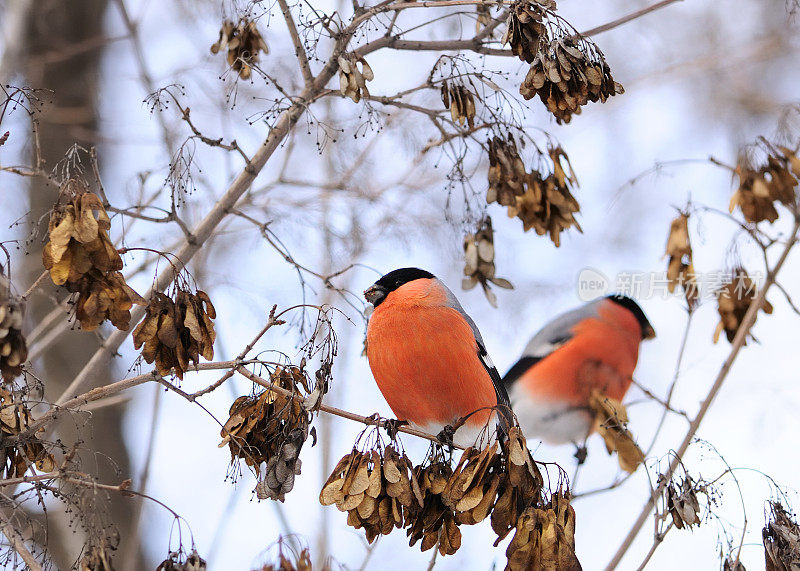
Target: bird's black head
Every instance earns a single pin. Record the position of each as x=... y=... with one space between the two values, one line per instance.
x=647 y=329
x=376 y=293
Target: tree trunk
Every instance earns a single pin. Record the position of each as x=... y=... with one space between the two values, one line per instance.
x=63 y=46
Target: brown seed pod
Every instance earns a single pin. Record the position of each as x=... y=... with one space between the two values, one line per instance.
x=547 y=204
x=680 y=269
x=759 y=188
x=781 y=537
x=352 y=80
x=14 y=419
x=174 y=333
x=271 y=428
x=80 y=256
x=682 y=503
x=733 y=299
x=244 y=43
x=479 y=261
x=13 y=348
x=610 y=422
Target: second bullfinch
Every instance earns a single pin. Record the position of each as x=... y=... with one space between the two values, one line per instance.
x=428 y=357
x=595 y=346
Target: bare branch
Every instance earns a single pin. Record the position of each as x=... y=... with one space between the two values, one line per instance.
x=299 y=50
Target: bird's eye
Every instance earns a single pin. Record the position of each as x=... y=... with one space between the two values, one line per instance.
x=398 y=283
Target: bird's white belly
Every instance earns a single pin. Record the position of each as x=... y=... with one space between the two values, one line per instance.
x=549 y=421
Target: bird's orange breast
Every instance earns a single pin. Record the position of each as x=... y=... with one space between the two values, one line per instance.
x=424 y=357
x=602 y=354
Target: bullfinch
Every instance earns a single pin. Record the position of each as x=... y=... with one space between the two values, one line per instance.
x=429 y=360
x=595 y=346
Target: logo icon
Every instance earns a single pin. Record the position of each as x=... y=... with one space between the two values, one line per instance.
x=591 y=284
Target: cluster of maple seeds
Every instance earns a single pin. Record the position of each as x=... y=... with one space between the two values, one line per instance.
x=461 y=103
x=80 y=256
x=243 y=42
x=290 y=559
x=610 y=422
x=17 y=458
x=353 y=81
x=760 y=188
x=13 y=348
x=543 y=202
x=781 y=538
x=381 y=490
x=680 y=268
x=180 y=561
x=176 y=332
x=733 y=299
x=682 y=503
x=545 y=537
x=479 y=262
x=271 y=428
x=566 y=71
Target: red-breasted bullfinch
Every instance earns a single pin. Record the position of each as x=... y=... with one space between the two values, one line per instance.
x=429 y=359
x=595 y=346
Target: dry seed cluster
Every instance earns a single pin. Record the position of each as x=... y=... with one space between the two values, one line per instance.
x=680 y=269
x=381 y=490
x=97 y=559
x=526 y=27
x=243 y=42
x=544 y=203
x=81 y=257
x=682 y=503
x=177 y=561
x=781 y=537
x=565 y=79
x=545 y=538
x=567 y=70
x=353 y=81
x=374 y=488
x=733 y=299
x=507 y=174
x=271 y=428
x=461 y=103
x=611 y=421
x=13 y=349
x=292 y=562
x=760 y=188
x=174 y=333
x=16 y=458
x=479 y=262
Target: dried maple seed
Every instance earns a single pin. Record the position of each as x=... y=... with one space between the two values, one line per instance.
x=80 y=256
x=244 y=42
x=14 y=419
x=682 y=503
x=13 y=348
x=174 y=333
x=733 y=299
x=352 y=80
x=479 y=261
x=610 y=422
x=545 y=203
x=461 y=103
x=781 y=538
x=680 y=269
x=567 y=71
x=271 y=428
x=759 y=188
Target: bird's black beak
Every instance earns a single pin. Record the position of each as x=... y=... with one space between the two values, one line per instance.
x=648 y=332
x=375 y=294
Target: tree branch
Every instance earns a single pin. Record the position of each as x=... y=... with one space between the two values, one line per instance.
x=299 y=50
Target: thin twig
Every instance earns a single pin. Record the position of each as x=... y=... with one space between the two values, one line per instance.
x=625 y=19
